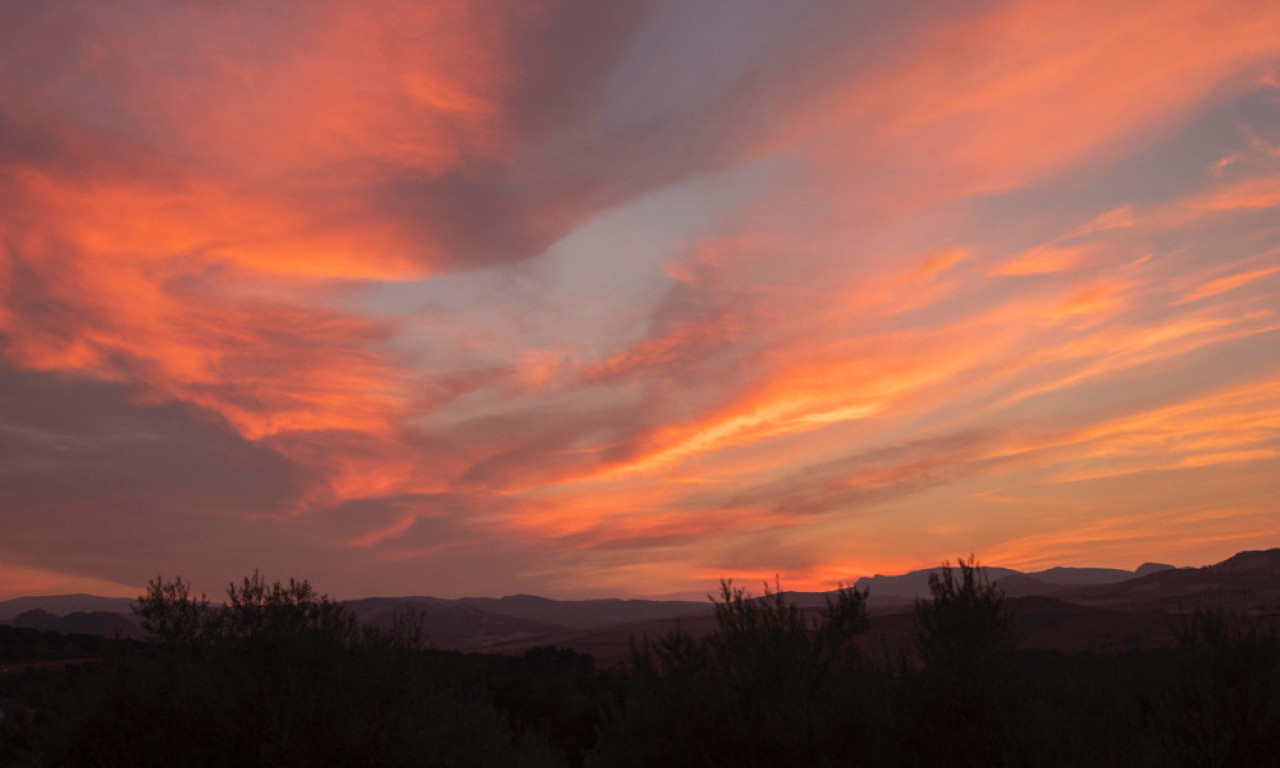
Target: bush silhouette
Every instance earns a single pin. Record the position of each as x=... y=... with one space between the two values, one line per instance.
x=770 y=686
x=967 y=699
x=1225 y=701
x=171 y=614
x=278 y=675
x=964 y=626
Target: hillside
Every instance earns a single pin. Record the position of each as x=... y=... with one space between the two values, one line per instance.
x=1055 y=609
x=61 y=605
x=101 y=623
x=1126 y=615
x=1248 y=582
x=454 y=626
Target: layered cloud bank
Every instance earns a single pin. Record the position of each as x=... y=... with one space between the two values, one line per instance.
x=585 y=298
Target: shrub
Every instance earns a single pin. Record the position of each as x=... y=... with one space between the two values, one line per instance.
x=964 y=627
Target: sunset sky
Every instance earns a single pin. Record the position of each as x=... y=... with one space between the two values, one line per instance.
x=616 y=298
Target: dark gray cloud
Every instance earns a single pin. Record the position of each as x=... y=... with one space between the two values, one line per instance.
x=861 y=479
x=92 y=475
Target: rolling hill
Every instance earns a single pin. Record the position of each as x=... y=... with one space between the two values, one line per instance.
x=1058 y=608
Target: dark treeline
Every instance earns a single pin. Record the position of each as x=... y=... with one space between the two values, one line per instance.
x=281 y=676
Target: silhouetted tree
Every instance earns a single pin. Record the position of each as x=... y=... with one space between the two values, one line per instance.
x=966 y=702
x=170 y=613
x=279 y=675
x=964 y=626
x=1225 y=701
x=770 y=686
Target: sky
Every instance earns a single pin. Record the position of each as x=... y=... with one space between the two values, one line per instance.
x=593 y=299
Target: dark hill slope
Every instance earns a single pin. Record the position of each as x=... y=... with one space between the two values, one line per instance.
x=462 y=627
x=585 y=614
x=102 y=623
x=61 y=605
x=1248 y=582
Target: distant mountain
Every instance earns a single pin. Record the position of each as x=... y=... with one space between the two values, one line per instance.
x=1113 y=618
x=877 y=602
x=449 y=625
x=1081 y=600
x=61 y=605
x=1263 y=562
x=1056 y=581
x=103 y=623
x=472 y=622
x=1022 y=585
x=1247 y=581
x=915 y=584
x=1082 y=576
x=467 y=623
x=586 y=614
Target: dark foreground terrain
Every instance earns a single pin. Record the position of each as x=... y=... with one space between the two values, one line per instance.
x=283 y=676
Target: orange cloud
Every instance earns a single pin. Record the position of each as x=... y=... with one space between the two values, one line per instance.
x=1251 y=194
x=1017 y=90
x=22 y=581
x=1225 y=284
x=1120 y=538
x=193 y=260
x=1045 y=260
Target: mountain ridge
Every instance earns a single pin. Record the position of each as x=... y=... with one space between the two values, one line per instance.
x=475 y=623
